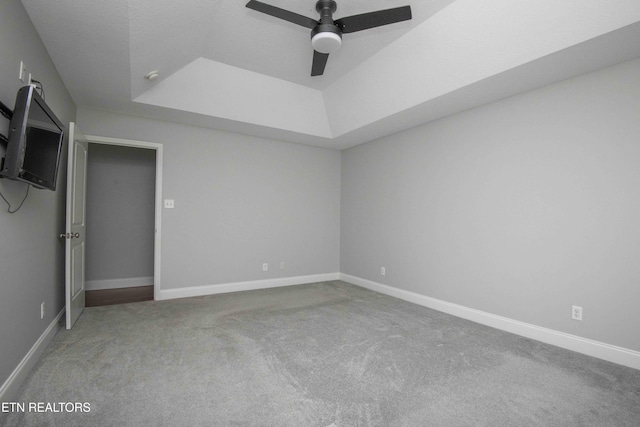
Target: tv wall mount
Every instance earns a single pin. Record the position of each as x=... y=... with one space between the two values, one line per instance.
x=8 y=113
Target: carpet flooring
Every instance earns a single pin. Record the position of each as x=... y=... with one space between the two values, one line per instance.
x=322 y=354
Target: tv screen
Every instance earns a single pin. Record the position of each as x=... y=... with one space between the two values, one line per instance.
x=35 y=142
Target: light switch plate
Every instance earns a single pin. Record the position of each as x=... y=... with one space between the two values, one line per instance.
x=169 y=204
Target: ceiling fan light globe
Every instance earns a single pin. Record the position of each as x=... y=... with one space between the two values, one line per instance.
x=326 y=42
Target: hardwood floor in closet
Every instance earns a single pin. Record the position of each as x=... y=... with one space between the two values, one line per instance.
x=118 y=296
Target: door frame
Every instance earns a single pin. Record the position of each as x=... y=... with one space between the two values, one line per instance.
x=157 y=242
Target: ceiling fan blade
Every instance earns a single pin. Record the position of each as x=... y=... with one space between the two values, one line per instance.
x=282 y=14
x=351 y=24
x=319 y=62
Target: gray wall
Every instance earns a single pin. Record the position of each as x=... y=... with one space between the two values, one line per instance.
x=31 y=255
x=239 y=201
x=519 y=208
x=120 y=212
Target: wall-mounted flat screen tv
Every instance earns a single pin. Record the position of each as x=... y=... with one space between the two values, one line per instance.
x=35 y=142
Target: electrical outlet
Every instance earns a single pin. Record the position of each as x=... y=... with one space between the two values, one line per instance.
x=23 y=75
x=41 y=311
x=383 y=271
x=265 y=266
x=576 y=312
x=282 y=265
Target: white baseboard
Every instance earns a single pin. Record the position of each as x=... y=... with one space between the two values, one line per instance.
x=196 y=291
x=9 y=389
x=129 y=282
x=611 y=353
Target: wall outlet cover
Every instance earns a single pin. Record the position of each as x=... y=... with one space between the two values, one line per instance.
x=576 y=312
x=22 y=75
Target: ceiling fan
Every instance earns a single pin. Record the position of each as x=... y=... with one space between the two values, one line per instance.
x=326 y=34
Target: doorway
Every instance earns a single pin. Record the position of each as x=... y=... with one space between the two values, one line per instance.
x=123 y=221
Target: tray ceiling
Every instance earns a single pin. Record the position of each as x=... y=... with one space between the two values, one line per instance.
x=225 y=66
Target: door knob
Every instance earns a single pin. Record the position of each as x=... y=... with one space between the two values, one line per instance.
x=69 y=235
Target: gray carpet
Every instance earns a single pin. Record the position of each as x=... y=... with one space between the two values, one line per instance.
x=323 y=354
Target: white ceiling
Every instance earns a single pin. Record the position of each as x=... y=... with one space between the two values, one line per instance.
x=228 y=67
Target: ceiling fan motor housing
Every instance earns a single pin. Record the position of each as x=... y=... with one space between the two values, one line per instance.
x=326 y=37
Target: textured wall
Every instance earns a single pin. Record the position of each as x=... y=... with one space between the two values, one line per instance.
x=520 y=208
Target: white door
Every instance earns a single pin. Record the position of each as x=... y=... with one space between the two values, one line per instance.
x=75 y=224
